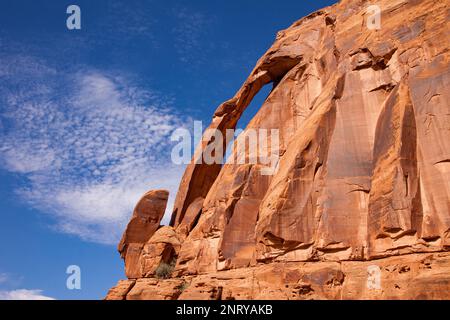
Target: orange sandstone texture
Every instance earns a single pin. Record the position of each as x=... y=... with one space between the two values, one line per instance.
x=412 y=276
x=359 y=207
x=143 y=224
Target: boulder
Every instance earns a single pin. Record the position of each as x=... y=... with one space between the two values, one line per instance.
x=143 y=224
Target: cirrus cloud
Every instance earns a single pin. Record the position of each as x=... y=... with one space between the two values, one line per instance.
x=88 y=144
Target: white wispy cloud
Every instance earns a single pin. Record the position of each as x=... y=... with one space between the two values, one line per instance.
x=3 y=278
x=10 y=280
x=188 y=32
x=23 y=294
x=89 y=145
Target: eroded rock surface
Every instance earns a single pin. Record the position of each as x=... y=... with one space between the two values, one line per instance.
x=412 y=276
x=143 y=224
x=359 y=206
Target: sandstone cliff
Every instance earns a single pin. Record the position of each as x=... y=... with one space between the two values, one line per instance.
x=359 y=206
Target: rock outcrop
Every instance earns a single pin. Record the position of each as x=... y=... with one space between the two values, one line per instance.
x=359 y=204
x=143 y=224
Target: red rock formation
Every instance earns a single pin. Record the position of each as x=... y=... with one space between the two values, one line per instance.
x=412 y=276
x=359 y=206
x=143 y=224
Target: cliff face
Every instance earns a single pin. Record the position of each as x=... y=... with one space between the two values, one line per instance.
x=359 y=206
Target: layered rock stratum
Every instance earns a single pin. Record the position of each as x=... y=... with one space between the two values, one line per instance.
x=359 y=206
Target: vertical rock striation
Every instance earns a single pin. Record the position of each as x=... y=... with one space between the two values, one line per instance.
x=362 y=182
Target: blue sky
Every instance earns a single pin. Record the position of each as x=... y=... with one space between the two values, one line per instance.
x=86 y=117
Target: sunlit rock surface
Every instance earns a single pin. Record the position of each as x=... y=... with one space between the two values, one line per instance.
x=359 y=206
